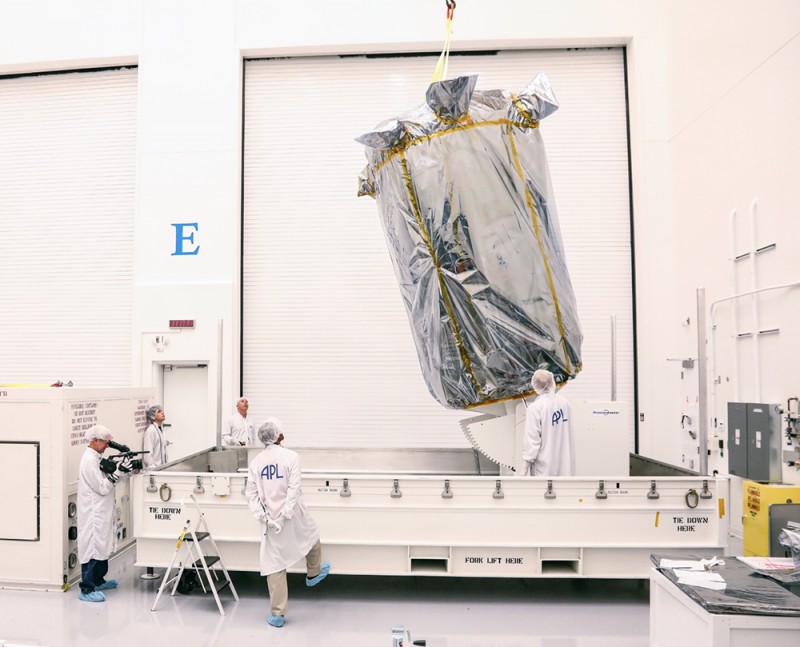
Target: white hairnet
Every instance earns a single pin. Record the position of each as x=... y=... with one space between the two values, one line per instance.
x=268 y=432
x=98 y=432
x=543 y=381
x=152 y=411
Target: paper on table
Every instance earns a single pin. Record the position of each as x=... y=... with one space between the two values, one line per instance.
x=691 y=564
x=769 y=563
x=702 y=579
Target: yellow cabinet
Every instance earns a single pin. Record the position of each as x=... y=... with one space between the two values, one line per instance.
x=757 y=499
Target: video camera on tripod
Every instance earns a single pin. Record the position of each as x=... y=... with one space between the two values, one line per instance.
x=124 y=460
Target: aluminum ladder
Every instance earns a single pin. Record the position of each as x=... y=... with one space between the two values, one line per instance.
x=190 y=555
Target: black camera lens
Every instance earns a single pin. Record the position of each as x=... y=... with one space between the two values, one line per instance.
x=118 y=446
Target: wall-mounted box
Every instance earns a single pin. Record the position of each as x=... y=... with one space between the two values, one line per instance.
x=754 y=441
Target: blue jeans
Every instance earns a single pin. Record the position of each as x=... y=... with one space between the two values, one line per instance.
x=93 y=574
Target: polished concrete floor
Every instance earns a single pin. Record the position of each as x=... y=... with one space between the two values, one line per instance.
x=343 y=611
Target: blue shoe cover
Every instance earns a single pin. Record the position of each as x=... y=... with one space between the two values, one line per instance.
x=94 y=596
x=313 y=581
x=276 y=621
x=108 y=584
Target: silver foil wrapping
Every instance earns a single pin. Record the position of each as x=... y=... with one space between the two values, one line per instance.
x=464 y=194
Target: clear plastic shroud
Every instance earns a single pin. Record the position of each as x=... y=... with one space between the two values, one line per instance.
x=464 y=194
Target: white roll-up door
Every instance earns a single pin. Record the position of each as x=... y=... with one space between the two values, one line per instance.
x=327 y=346
x=67 y=202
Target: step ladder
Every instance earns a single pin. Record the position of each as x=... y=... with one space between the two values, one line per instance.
x=190 y=555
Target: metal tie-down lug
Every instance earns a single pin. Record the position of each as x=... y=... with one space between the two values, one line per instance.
x=447 y=493
x=601 y=492
x=653 y=493
x=152 y=484
x=345 y=491
x=498 y=491
x=199 y=489
x=549 y=494
x=705 y=493
x=396 y=493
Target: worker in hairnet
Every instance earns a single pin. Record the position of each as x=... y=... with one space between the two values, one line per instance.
x=154 y=441
x=289 y=534
x=548 y=447
x=96 y=503
x=239 y=429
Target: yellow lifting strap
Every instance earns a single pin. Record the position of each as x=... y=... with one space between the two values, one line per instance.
x=440 y=73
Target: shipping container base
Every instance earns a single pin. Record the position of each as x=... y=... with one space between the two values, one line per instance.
x=450 y=561
x=393 y=523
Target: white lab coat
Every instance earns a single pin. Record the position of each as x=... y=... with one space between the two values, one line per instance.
x=548 y=447
x=238 y=428
x=96 y=536
x=273 y=489
x=154 y=442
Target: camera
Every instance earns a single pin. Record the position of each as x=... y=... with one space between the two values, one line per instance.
x=109 y=465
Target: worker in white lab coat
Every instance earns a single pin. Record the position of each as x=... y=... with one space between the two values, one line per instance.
x=96 y=533
x=288 y=533
x=239 y=429
x=548 y=446
x=154 y=442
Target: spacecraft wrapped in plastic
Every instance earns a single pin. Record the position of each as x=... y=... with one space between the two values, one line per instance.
x=464 y=195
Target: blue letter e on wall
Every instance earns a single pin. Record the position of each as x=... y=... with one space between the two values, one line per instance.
x=184 y=239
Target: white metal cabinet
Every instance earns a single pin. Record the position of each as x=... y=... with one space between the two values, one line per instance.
x=675 y=619
x=38 y=545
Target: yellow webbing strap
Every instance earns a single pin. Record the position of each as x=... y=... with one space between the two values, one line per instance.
x=180 y=539
x=542 y=251
x=442 y=287
x=440 y=73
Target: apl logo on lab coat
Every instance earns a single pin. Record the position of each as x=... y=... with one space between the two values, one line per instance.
x=271 y=472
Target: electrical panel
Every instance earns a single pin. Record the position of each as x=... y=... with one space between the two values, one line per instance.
x=754 y=441
x=791 y=450
x=737 y=439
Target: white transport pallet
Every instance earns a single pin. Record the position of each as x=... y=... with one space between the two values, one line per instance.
x=393 y=523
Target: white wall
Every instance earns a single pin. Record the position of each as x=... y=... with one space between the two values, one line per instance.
x=731 y=137
x=711 y=89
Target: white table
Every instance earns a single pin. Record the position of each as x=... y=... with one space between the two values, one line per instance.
x=676 y=619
